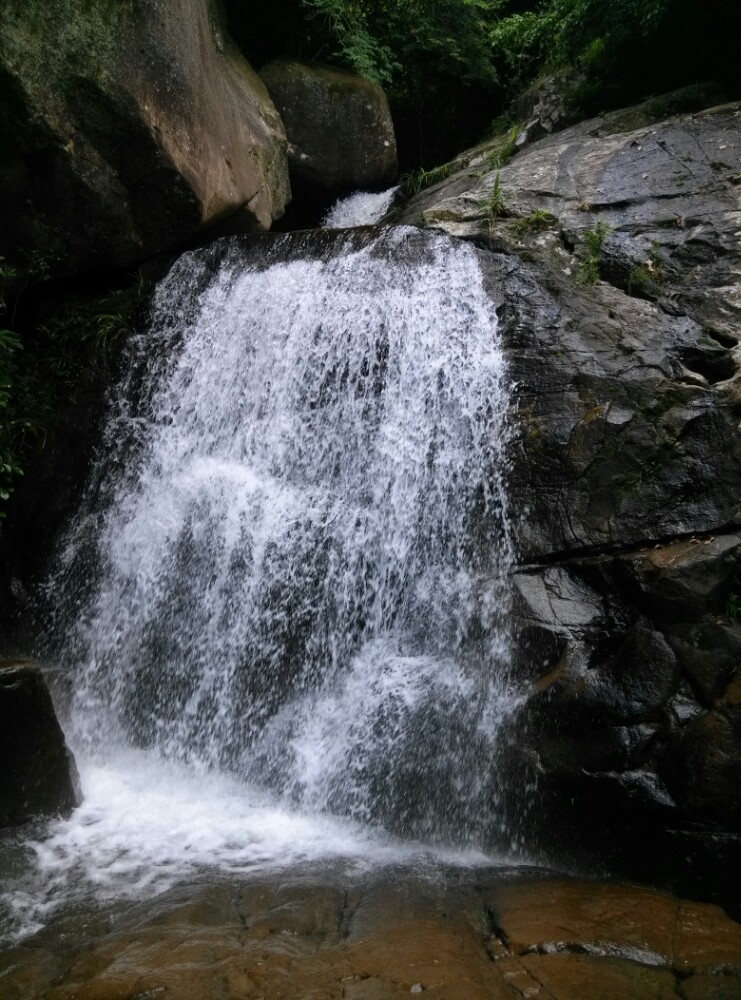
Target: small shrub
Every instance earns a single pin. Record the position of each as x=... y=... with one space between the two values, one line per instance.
x=537 y=221
x=647 y=278
x=501 y=156
x=594 y=240
x=496 y=206
x=733 y=607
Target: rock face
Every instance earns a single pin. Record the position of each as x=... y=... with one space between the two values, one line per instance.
x=38 y=774
x=492 y=936
x=131 y=127
x=627 y=477
x=340 y=133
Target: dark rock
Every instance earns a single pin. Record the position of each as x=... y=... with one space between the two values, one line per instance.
x=684 y=581
x=340 y=133
x=545 y=104
x=702 y=766
x=128 y=128
x=38 y=774
x=627 y=472
x=709 y=654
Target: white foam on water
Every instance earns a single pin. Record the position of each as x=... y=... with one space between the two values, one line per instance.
x=147 y=825
x=363 y=208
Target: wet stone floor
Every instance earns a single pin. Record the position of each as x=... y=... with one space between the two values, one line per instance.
x=322 y=933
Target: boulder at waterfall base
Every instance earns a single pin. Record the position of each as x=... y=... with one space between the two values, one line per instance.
x=128 y=128
x=37 y=773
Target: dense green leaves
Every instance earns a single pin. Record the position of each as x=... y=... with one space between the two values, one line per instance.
x=395 y=42
x=59 y=350
x=477 y=54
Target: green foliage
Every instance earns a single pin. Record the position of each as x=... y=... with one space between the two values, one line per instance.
x=503 y=153
x=496 y=206
x=537 y=221
x=584 y=32
x=45 y=367
x=361 y=51
x=417 y=180
x=647 y=279
x=733 y=607
x=594 y=241
x=396 y=42
x=519 y=45
x=621 y=49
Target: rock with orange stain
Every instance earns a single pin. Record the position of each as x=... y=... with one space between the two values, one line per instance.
x=327 y=935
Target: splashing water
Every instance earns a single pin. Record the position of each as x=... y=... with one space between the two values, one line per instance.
x=290 y=570
x=360 y=209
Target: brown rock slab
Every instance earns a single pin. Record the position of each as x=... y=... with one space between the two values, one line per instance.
x=641 y=925
x=709 y=988
x=568 y=977
x=324 y=935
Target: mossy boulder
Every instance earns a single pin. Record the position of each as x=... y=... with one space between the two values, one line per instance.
x=128 y=127
x=339 y=127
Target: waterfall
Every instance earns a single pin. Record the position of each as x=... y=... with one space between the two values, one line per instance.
x=290 y=566
x=363 y=208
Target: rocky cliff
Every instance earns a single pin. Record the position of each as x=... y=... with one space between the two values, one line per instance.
x=613 y=248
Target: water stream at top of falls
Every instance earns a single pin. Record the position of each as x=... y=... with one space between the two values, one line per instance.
x=286 y=590
x=363 y=208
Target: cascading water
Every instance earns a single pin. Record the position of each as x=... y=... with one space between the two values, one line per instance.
x=363 y=208
x=289 y=573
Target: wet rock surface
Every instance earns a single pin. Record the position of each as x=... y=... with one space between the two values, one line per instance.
x=324 y=933
x=38 y=775
x=626 y=478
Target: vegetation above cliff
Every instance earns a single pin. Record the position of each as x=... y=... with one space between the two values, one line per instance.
x=450 y=66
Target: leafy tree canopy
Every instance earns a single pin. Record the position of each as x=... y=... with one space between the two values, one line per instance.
x=449 y=66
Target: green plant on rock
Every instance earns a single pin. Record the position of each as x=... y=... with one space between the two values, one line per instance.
x=417 y=180
x=733 y=607
x=594 y=240
x=503 y=153
x=536 y=222
x=496 y=206
x=647 y=278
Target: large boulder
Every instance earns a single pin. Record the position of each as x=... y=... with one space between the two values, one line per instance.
x=339 y=128
x=38 y=774
x=613 y=249
x=128 y=127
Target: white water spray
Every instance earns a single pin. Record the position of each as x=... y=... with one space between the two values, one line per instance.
x=277 y=576
x=363 y=208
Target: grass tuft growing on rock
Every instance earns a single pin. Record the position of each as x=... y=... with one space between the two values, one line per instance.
x=536 y=222
x=594 y=240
